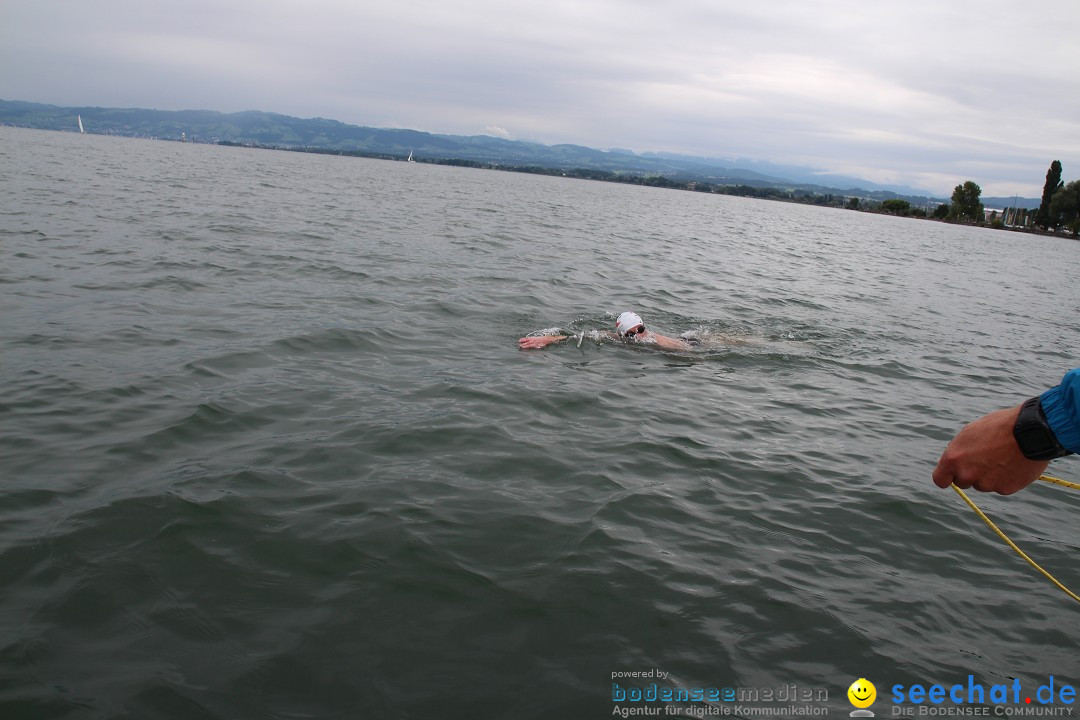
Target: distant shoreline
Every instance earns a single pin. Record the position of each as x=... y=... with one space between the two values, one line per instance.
x=276 y=130
x=773 y=194
x=802 y=197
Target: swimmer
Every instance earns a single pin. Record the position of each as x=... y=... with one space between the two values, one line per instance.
x=628 y=328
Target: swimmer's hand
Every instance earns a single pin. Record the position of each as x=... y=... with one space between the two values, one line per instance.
x=539 y=341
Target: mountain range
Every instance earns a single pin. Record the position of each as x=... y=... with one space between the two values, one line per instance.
x=283 y=131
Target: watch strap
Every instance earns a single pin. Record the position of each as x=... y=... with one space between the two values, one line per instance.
x=1033 y=434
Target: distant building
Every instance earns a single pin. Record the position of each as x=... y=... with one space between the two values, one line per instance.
x=1010 y=216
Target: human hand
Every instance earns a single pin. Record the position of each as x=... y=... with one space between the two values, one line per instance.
x=984 y=455
x=538 y=341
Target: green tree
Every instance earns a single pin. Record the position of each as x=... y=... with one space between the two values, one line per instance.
x=1053 y=183
x=853 y=204
x=896 y=206
x=942 y=211
x=965 y=202
x=1065 y=206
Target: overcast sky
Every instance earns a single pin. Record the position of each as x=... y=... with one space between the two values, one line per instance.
x=926 y=93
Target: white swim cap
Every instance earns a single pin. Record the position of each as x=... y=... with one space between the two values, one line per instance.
x=628 y=321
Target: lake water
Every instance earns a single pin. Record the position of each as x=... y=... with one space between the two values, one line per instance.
x=270 y=450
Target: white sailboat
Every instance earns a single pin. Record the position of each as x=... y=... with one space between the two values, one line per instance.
x=79 y=117
x=410 y=157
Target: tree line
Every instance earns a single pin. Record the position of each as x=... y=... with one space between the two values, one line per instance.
x=1059 y=208
x=1060 y=203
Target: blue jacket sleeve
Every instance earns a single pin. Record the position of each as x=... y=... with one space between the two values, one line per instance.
x=1062 y=407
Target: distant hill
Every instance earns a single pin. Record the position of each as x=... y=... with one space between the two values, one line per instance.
x=273 y=130
x=1000 y=203
x=791 y=173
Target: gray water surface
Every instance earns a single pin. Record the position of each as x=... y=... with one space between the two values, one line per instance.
x=269 y=448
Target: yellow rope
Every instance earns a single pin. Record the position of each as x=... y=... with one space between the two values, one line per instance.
x=1010 y=543
x=1059 y=481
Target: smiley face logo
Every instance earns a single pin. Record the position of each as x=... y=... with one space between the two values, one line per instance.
x=862 y=693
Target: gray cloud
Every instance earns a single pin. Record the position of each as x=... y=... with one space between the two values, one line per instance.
x=922 y=93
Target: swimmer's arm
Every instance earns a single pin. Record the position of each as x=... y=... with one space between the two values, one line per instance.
x=667 y=343
x=539 y=341
x=534 y=342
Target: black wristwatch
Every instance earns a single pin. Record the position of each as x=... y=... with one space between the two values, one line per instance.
x=1033 y=434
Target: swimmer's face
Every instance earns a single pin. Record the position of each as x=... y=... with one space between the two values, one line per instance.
x=639 y=330
x=862 y=693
